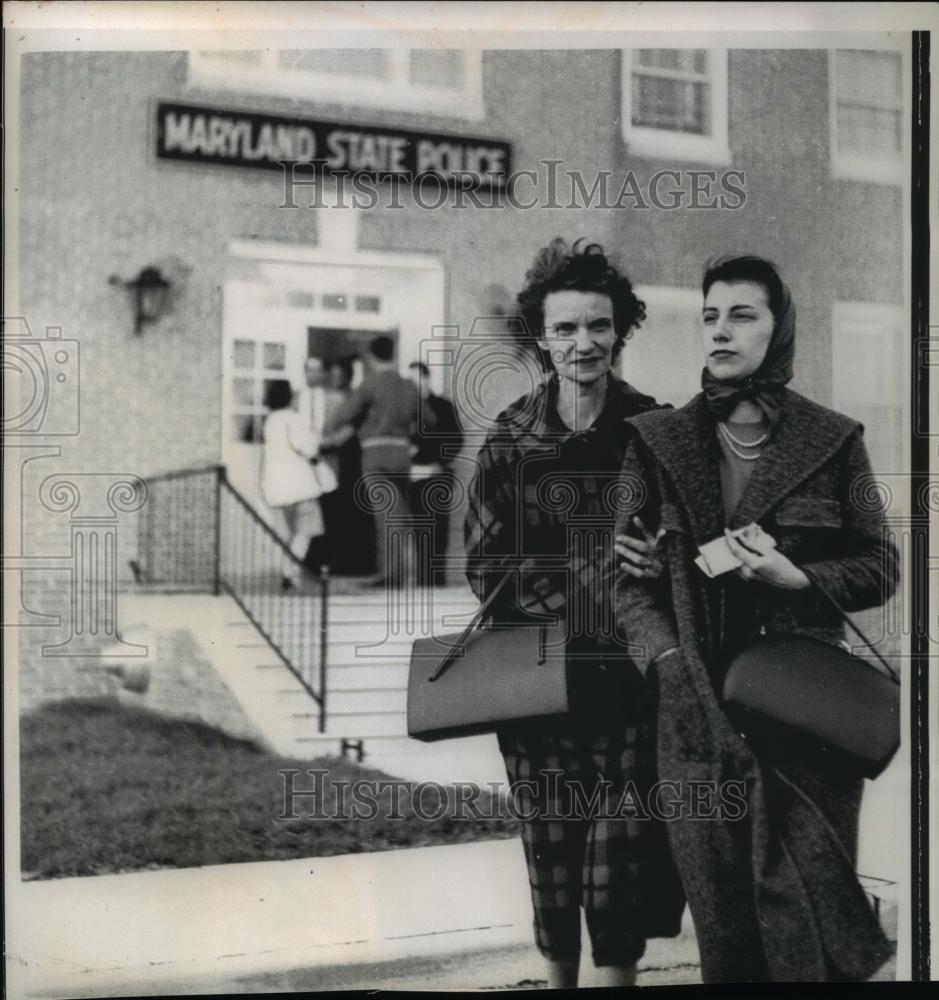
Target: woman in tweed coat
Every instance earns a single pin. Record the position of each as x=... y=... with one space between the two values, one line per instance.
x=774 y=895
x=544 y=493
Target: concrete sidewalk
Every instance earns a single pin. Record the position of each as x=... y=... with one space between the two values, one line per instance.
x=437 y=917
x=424 y=918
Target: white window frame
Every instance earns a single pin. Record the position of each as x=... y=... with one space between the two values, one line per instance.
x=394 y=94
x=877 y=169
x=669 y=144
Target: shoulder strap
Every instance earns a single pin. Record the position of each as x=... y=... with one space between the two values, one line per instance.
x=891 y=673
x=480 y=615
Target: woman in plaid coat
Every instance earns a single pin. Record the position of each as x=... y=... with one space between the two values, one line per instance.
x=545 y=494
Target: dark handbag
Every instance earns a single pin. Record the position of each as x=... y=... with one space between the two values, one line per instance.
x=796 y=692
x=488 y=675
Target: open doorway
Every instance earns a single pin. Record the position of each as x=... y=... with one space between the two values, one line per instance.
x=283 y=303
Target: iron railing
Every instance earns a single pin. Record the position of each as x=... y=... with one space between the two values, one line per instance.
x=198 y=533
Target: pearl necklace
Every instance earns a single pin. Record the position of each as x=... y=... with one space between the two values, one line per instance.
x=731 y=441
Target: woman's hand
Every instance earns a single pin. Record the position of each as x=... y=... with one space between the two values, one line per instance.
x=641 y=555
x=763 y=561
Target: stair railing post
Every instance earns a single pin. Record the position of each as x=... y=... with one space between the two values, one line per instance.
x=219 y=480
x=324 y=641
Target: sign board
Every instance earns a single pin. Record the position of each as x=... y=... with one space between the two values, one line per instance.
x=253 y=139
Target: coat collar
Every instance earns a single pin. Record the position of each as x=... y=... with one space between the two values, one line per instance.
x=685 y=443
x=535 y=422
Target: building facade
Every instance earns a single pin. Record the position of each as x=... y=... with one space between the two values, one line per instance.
x=663 y=156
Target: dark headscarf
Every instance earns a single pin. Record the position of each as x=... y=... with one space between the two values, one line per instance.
x=765 y=385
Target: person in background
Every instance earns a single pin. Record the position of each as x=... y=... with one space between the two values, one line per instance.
x=350 y=531
x=436 y=445
x=312 y=405
x=311 y=398
x=288 y=479
x=384 y=410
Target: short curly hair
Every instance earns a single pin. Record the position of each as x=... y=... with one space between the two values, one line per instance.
x=583 y=267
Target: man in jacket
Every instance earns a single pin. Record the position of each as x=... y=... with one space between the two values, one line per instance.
x=436 y=445
x=384 y=410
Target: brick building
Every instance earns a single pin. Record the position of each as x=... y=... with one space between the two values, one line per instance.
x=797 y=154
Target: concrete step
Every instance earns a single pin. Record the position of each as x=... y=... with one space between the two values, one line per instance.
x=352 y=725
x=344 y=701
x=400 y=633
x=359 y=675
x=360 y=646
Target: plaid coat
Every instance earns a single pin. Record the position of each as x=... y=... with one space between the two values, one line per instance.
x=548 y=498
x=774 y=894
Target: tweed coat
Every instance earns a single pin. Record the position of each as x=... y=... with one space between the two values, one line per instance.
x=774 y=895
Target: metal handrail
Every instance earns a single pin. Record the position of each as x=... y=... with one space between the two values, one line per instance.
x=256 y=517
x=163 y=477
x=174 y=549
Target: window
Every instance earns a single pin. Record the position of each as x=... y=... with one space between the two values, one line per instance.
x=257 y=363
x=867 y=121
x=675 y=103
x=367 y=303
x=436 y=81
x=671 y=329
x=298 y=298
x=867 y=383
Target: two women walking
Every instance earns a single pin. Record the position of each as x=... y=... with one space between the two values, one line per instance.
x=773 y=891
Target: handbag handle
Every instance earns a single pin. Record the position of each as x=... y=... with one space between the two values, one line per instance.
x=480 y=614
x=891 y=673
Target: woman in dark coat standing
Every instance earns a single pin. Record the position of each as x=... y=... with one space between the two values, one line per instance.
x=544 y=495
x=772 y=890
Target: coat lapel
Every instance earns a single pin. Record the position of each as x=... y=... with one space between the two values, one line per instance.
x=803 y=442
x=684 y=443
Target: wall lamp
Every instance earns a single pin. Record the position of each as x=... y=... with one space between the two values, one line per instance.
x=150 y=295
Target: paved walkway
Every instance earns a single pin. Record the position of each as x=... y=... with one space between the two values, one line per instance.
x=435 y=917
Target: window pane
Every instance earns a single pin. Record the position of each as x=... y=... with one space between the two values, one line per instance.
x=367 y=303
x=869 y=130
x=243 y=427
x=342 y=62
x=682 y=60
x=243 y=391
x=444 y=68
x=675 y=105
x=298 y=299
x=275 y=356
x=243 y=353
x=334 y=302
x=874 y=78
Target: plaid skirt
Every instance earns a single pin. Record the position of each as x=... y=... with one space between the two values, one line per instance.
x=580 y=787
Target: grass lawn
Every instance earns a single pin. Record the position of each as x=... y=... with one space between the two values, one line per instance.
x=107 y=788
